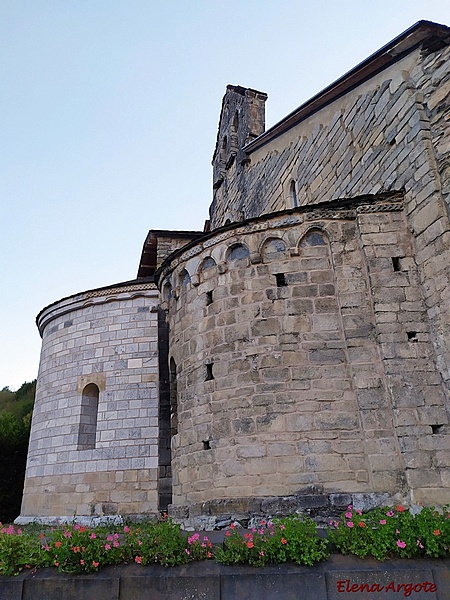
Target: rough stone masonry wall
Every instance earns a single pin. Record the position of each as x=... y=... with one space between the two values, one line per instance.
x=107 y=338
x=390 y=133
x=298 y=393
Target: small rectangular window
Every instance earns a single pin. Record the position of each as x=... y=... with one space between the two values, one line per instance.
x=209 y=298
x=209 y=372
x=281 y=279
x=397 y=263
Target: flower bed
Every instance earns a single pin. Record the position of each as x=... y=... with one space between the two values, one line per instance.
x=381 y=533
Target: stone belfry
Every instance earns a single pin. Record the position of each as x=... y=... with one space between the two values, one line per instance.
x=242 y=119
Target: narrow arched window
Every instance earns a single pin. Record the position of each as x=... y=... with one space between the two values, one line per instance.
x=293 y=192
x=173 y=397
x=87 y=431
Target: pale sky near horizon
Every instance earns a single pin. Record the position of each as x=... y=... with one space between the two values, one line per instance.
x=109 y=118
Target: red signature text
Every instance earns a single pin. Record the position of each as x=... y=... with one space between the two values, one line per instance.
x=346 y=585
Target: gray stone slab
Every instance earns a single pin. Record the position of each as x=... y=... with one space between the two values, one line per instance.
x=350 y=577
x=11 y=587
x=198 y=581
x=47 y=584
x=273 y=583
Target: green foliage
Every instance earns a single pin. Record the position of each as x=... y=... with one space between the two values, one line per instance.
x=18 y=551
x=388 y=532
x=18 y=403
x=15 y=421
x=292 y=539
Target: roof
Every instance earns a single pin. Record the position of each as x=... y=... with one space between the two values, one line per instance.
x=149 y=255
x=427 y=34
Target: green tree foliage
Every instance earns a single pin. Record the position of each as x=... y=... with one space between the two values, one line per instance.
x=15 y=419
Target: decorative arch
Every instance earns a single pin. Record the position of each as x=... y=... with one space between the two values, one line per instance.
x=207 y=263
x=238 y=254
x=273 y=249
x=167 y=291
x=184 y=278
x=87 y=430
x=313 y=237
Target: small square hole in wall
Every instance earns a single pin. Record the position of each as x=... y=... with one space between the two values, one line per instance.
x=209 y=298
x=206 y=445
x=397 y=263
x=280 y=279
x=412 y=336
x=436 y=428
x=209 y=372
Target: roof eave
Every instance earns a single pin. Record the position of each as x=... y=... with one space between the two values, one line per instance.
x=399 y=47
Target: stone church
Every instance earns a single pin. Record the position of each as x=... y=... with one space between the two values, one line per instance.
x=293 y=355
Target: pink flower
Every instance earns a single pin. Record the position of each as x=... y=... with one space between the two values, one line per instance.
x=95 y=564
x=126 y=529
x=349 y=515
x=93 y=536
x=283 y=541
x=401 y=544
x=397 y=531
x=282 y=527
x=116 y=544
x=389 y=513
x=107 y=547
x=194 y=538
x=436 y=532
x=67 y=534
x=350 y=524
x=138 y=559
x=81 y=562
x=419 y=544
x=109 y=538
x=261 y=553
x=187 y=551
x=382 y=521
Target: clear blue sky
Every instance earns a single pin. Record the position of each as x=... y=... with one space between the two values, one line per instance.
x=109 y=116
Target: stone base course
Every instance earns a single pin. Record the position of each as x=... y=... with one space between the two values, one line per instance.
x=210 y=581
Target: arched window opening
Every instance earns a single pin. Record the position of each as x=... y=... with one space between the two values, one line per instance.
x=173 y=397
x=293 y=193
x=87 y=431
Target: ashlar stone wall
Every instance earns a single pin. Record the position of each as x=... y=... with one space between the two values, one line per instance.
x=304 y=358
x=101 y=461
x=388 y=134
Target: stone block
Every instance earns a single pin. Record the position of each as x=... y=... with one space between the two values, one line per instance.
x=177 y=583
x=46 y=584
